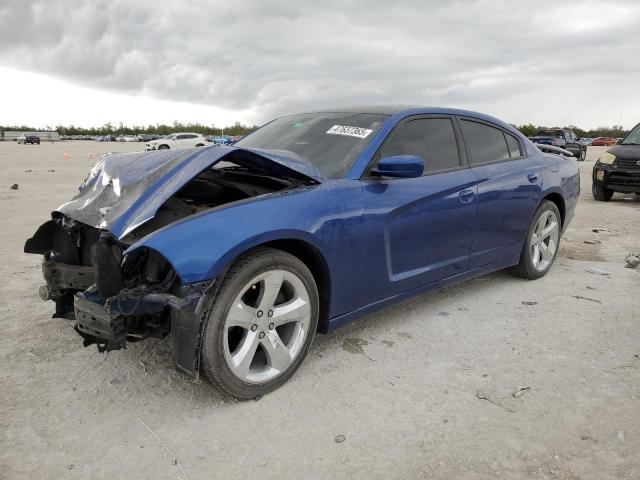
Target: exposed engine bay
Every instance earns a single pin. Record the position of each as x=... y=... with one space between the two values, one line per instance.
x=212 y=188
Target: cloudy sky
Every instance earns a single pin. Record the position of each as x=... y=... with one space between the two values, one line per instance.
x=151 y=61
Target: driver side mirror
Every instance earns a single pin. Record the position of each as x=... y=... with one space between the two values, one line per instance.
x=400 y=166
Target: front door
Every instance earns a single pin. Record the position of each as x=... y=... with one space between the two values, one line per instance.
x=420 y=230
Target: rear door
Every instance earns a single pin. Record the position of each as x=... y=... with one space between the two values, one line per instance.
x=419 y=230
x=509 y=190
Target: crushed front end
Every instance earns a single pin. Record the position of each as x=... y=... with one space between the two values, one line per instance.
x=117 y=298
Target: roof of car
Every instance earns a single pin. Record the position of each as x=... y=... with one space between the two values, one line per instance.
x=407 y=110
x=374 y=109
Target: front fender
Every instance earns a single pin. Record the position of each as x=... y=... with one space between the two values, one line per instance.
x=200 y=247
x=328 y=217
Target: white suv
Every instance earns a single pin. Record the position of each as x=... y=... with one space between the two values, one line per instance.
x=177 y=140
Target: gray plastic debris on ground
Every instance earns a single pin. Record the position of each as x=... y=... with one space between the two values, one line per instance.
x=632 y=260
x=598 y=271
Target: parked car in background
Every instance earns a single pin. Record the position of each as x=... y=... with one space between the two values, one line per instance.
x=144 y=137
x=33 y=139
x=177 y=140
x=236 y=138
x=604 y=142
x=563 y=138
x=242 y=252
x=20 y=139
x=618 y=169
x=586 y=141
x=221 y=140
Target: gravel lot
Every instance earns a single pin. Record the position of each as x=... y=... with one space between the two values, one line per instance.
x=420 y=390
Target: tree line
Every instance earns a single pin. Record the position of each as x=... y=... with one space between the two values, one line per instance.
x=121 y=129
x=237 y=128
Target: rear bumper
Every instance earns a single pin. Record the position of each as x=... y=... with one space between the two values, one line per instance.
x=616 y=178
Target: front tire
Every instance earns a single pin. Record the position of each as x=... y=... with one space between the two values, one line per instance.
x=600 y=192
x=261 y=324
x=583 y=155
x=541 y=245
x=163 y=147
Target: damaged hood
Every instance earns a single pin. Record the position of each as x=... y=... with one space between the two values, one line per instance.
x=123 y=191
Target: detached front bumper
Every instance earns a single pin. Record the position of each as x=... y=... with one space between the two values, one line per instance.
x=134 y=315
x=614 y=177
x=96 y=325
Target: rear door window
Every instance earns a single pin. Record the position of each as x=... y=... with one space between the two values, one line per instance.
x=484 y=143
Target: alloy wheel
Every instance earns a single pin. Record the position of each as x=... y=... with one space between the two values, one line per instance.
x=266 y=326
x=544 y=240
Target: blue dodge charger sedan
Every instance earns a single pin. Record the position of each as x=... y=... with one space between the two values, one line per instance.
x=241 y=253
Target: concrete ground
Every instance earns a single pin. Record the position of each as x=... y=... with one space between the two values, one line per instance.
x=426 y=389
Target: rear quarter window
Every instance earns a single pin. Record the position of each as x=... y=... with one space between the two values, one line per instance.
x=513 y=145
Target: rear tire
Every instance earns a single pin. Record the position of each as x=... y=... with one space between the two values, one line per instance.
x=600 y=192
x=249 y=346
x=541 y=245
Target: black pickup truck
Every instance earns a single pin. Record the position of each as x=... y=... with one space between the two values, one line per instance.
x=563 y=138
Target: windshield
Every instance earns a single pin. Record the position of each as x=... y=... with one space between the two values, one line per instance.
x=329 y=141
x=633 y=137
x=550 y=133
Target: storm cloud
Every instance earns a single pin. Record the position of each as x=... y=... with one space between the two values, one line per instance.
x=278 y=56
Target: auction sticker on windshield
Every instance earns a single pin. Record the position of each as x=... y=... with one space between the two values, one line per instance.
x=349 y=131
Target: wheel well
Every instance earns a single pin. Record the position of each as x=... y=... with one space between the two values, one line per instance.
x=559 y=201
x=316 y=263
